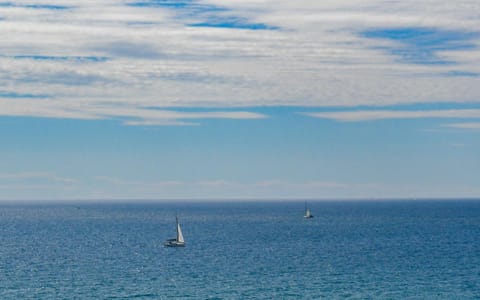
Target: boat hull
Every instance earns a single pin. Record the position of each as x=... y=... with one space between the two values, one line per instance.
x=173 y=243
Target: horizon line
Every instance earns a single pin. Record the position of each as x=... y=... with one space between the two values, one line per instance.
x=229 y=200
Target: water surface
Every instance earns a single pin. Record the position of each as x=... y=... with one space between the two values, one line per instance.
x=263 y=250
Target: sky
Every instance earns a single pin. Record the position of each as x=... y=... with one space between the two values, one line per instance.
x=254 y=99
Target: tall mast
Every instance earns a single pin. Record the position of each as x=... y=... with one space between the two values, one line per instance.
x=176 y=219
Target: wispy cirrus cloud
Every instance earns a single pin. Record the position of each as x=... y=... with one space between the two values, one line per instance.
x=465 y=125
x=221 y=183
x=27 y=184
x=128 y=115
x=370 y=115
x=28 y=176
x=149 y=117
x=118 y=181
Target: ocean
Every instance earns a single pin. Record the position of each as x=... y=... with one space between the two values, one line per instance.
x=241 y=250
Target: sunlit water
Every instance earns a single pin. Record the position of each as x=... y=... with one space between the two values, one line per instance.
x=393 y=250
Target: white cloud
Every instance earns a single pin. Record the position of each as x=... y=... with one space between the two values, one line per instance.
x=152 y=58
x=470 y=125
x=130 y=115
x=23 y=187
x=27 y=176
x=227 y=189
x=218 y=184
x=117 y=181
x=302 y=185
x=368 y=115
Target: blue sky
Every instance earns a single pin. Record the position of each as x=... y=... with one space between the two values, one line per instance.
x=226 y=100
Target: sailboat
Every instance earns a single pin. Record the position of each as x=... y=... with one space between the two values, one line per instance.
x=308 y=213
x=178 y=241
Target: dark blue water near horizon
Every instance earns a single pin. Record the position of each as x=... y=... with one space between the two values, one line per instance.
x=249 y=250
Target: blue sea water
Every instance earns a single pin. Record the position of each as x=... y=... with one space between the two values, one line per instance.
x=263 y=250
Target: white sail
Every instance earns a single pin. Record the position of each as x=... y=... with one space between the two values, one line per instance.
x=177 y=242
x=308 y=214
x=179 y=234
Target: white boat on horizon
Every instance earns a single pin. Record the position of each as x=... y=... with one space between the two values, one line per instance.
x=179 y=240
x=308 y=213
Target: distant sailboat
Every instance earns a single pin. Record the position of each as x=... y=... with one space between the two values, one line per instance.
x=308 y=213
x=178 y=241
